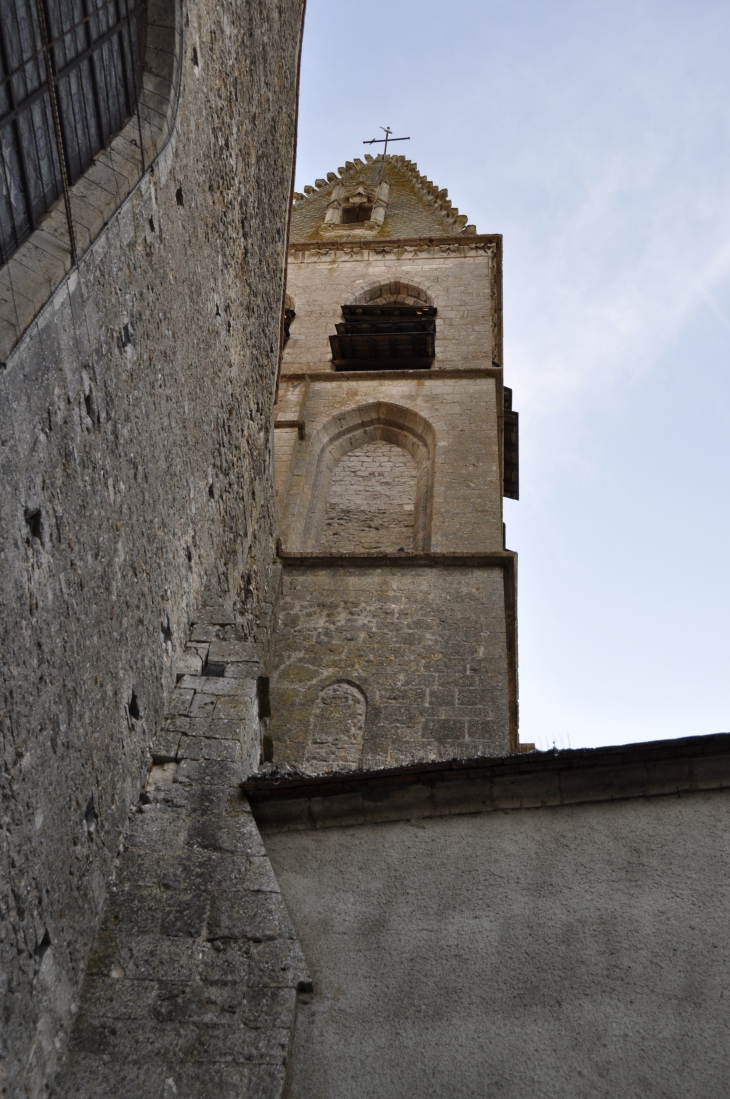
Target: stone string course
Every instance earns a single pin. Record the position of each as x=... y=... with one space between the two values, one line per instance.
x=192 y=983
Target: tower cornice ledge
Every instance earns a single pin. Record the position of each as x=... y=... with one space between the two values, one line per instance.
x=394 y=375
x=473 y=245
x=504 y=559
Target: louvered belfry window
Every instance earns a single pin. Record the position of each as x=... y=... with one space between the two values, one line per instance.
x=385 y=337
x=91 y=51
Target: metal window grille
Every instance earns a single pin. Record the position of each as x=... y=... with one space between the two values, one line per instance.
x=70 y=74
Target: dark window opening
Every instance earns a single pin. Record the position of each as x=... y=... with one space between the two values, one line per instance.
x=134 y=710
x=34 y=519
x=385 y=337
x=263 y=696
x=93 y=50
x=511 y=437
x=289 y=316
x=352 y=214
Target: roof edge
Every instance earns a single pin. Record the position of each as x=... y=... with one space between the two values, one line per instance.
x=521 y=781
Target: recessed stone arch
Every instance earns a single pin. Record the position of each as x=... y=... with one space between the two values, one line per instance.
x=378 y=421
x=337 y=728
x=391 y=292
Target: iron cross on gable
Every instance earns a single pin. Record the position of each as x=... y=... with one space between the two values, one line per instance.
x=384 y=140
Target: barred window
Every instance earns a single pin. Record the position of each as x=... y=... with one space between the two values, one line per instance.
x=70 y=75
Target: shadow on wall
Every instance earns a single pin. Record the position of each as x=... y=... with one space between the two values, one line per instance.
x=388 y=293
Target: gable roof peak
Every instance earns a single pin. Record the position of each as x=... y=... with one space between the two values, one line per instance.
x=403 y=176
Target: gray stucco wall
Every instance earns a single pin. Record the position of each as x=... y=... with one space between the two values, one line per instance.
x=561 y=952
x=135 y=469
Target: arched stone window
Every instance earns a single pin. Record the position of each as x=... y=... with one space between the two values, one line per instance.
x=70 y=75
x=336 y=729
x=368 y=468
x=386 y=326
x=372 y=500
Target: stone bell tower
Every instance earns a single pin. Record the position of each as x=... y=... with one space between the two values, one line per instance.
x=395 y=443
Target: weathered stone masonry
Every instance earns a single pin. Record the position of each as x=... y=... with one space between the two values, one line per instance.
x=424 y=638
x=372 y=500
x=135 y=458
x=397 y=616
x=191 y=986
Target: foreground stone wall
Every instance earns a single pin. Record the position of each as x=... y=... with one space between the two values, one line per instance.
x=425 y=647
x=135 y=466
x=567 y=951
x=192 y=983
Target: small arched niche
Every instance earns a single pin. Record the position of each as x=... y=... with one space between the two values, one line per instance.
x=337 y=728
x=372 y=482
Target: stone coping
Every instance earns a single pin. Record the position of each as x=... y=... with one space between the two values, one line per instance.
x=534 y=780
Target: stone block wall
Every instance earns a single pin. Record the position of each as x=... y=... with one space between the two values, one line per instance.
x=192 y=983
x=372 y=501
x=424 y=647
x=135 y=463
x=550 y=925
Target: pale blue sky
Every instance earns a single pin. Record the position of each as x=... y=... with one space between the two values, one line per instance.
x=596 y=138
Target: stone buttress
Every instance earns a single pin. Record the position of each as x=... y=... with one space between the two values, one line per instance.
x=192 y=983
